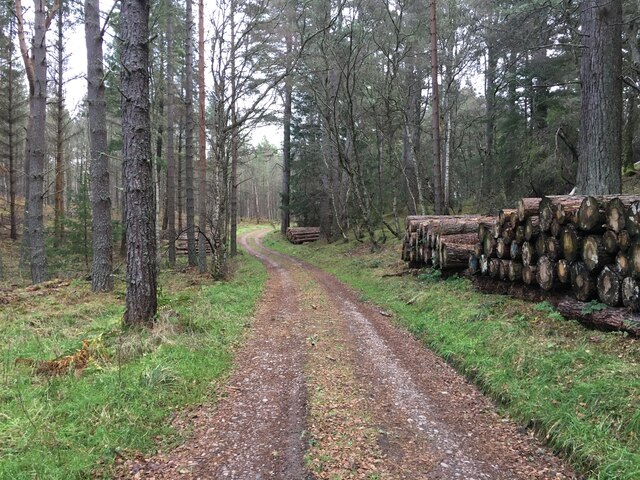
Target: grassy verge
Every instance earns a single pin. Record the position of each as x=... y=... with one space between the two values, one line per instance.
x=76 y=425
x=579 y=388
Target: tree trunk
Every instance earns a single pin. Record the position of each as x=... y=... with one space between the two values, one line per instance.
x=171 y=169
x=179 y=169
x=59 y=168
x=190 y=126
x=490 y=117
x=13 y=232
x=102 y=266
x=37 y=145
x=141 y=299
x=285 y=219
x=202 y=147
x=435 y=117
x=233 y=201
x=600 y=160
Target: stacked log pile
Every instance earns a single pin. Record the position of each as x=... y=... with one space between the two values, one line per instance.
x=182 y=245
x=574 y=249
x=299 y=235
x=444 y=242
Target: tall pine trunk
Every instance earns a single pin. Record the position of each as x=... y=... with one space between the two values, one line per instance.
x=102 y=266
x=171 y=193
x=13 y=233
x=202 y=150
x=600 y=153
x=190 y=126
x=37 y=145
x=59 y=169
x=435 y=117
x=141 y=300
x=285 y=219
x=233 y=201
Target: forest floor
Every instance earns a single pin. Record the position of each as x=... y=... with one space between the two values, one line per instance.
x=326 y=386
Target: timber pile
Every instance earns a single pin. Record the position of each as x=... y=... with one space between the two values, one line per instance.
x=568 y=250
x=299 y=235
x=443 y=242
x=182 y=245
x=584 y=246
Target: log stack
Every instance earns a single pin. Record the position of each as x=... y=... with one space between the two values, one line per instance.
x=578 y=248
x=182 y=245
x=299 y=235
x=585 y=246
x=444 y=242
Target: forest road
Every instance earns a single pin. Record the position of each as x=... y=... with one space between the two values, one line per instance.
x=327 y=387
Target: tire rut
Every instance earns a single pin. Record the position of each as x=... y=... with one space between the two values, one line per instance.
x=367 y=399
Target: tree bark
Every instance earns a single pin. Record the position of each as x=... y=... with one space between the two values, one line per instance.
x=59 y=166
x=171 y=167
x=102 y=266
x=235 y=140
x=285 y=219
x=190 y=126
x=606 y=319
x=36 y=140
x=435 y=117
x=141 y=298
x=600 y=160
x=13 y=232
x=202 y=147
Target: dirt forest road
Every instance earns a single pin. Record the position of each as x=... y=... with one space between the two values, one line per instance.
x=327 y=387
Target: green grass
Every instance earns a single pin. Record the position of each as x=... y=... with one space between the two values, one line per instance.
x=74 y=427
x=578 y=388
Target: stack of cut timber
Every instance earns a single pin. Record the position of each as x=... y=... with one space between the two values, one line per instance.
x=300 y=235
x=441 y=241
x=587 y=245
x=182 y=245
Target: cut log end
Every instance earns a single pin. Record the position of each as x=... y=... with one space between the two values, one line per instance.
x=610 y=287
x=546 y=273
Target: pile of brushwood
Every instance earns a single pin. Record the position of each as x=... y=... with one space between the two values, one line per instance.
x=581 y=253
x=299 y=235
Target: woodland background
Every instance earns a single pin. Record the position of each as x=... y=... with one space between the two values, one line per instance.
x=349 y=82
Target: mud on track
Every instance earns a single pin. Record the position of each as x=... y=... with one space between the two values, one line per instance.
x=327 y=387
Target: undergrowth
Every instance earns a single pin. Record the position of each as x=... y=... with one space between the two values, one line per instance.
x=76 y=425
x=578 y=388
